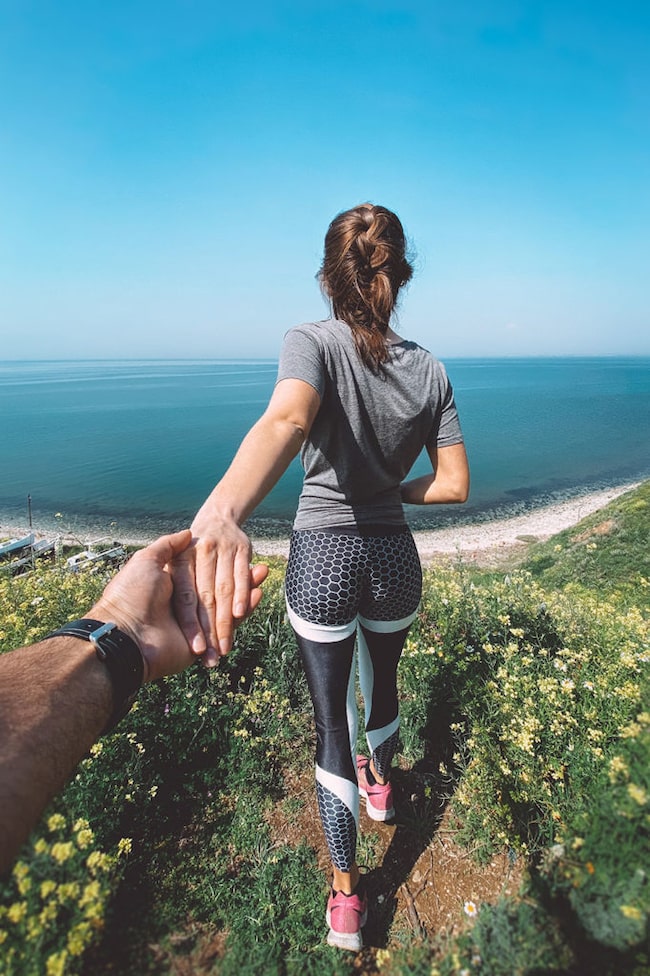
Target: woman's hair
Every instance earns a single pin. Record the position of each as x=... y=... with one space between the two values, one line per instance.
x=364 y=267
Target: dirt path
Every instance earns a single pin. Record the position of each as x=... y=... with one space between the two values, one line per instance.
x=419 y=879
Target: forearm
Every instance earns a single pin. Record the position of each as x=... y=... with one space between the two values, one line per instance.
x=428 y=490
x=55 y=699
x=449 y=482
x=263 y=457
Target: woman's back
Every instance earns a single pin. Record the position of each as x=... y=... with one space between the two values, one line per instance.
x=371 y=425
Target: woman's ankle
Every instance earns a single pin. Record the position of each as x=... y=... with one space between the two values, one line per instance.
x=346 y=881
x=380 y=780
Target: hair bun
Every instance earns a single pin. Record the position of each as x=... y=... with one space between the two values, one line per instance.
x=364 y=267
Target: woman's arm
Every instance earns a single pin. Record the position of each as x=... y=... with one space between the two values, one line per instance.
x=448 y=483
x=211 y=581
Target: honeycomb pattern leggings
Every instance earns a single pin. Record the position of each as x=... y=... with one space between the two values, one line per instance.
x=344 y=586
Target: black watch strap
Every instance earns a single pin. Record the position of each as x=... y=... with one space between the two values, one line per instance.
x=119 y=653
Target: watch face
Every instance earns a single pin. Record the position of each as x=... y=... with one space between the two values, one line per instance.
x=104 y=629
x=96 y=635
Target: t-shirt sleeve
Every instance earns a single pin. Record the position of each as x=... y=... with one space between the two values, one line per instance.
x=301 y=358
x=446 y=428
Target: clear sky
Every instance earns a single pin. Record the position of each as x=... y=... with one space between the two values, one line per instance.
x=168 y=170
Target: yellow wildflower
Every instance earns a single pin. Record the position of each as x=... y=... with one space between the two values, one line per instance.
x=47 y=888
x=90 y=893
x=55 y=965
x=24 y=885
x=56 y=822
x=62 y=852
x=97 y=861
x=17 y=912
x=638 y=794
x=78 y=938
x=85 y=838
x=94 y=912
x=21 y=870
x=68 y=891
x=48 y=914
x=631 y=911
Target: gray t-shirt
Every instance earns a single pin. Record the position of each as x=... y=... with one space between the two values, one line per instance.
x=370 y=427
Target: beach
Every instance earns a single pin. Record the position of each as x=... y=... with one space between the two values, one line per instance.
x=489 y=543
x=484 y=543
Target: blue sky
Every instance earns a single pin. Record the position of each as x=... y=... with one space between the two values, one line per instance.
x=168 y=171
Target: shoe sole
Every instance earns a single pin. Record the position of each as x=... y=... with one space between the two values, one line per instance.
x=345 y=940
x=373 y=812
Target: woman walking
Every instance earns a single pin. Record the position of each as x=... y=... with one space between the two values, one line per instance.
x=361 y=403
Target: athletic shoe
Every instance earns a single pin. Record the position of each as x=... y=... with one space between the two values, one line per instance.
x=346 y=916
x=379 y=799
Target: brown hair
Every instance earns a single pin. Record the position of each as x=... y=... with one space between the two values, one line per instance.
x=364 y=267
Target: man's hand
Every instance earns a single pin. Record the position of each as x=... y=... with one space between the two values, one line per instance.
x=139 y=601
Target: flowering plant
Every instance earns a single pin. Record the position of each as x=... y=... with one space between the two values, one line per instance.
x=53 y=906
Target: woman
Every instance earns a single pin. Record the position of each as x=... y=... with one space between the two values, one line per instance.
x=361 y=402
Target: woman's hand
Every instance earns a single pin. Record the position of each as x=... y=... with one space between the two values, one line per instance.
x=215 y=586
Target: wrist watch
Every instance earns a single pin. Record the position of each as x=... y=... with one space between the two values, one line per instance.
x=119 y=653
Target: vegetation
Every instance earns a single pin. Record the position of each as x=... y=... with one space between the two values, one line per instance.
x=606 y=554
x=525 y=700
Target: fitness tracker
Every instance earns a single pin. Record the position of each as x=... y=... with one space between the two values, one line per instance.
x=119 y=653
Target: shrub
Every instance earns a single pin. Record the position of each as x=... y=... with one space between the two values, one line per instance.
x=54 y=904
x=601 y=861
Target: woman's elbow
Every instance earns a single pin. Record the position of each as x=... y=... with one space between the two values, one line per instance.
x=460 y=488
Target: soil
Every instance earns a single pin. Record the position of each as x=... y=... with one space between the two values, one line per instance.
x=420 y=881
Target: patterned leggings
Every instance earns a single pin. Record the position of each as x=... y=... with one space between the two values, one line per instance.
x=341 y=584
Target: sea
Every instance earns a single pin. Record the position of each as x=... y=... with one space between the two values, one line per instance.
x=128 y=449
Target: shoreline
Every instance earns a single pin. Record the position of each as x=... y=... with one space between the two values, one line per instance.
x=488 y=543
x=485 y=542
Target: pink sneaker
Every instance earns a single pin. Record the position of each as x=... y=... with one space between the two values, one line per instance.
x=379 y=799
x=346 y=916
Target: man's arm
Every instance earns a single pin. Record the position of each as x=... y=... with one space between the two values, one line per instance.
x=56 y=696
x=55 y=699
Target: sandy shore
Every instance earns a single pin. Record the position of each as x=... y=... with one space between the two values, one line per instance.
x=489 y=543
x=485 y=543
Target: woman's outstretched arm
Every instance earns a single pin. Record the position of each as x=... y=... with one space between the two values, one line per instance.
x=448 y=483
x=211 y=581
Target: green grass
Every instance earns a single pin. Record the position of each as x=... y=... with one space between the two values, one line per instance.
x=527 y=698
x=607 y=553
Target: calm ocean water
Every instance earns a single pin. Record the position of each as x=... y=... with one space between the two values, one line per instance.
x=134 y=447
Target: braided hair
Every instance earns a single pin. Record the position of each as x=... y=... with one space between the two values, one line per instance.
x=364 y=266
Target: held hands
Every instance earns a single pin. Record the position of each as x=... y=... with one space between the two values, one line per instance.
x=139 y=601
x=214 y=584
